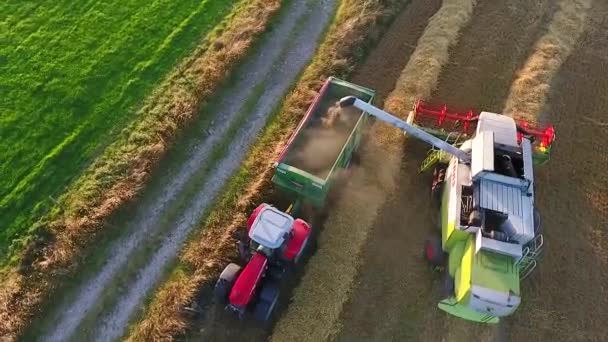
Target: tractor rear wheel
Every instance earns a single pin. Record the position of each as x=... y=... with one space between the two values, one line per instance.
x=268 y=298
x=225 y=282
x=303 y=251
x=433 y=252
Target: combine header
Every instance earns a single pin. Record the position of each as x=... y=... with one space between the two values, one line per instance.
x=456 y=127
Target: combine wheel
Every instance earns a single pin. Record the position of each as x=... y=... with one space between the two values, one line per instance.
x=436 y=195
x=269 y=296
x=225 y=282
x=437 y=221
x=433 y=252
x=537 y=225
x=448 y=285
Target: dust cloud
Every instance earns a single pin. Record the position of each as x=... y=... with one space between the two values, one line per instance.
x=323 y=141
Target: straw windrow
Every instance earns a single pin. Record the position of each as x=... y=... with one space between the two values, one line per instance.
x=529 y=91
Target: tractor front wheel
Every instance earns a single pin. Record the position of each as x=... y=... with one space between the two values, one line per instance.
x=433 y=252
x=225 y=282
x=269 y=296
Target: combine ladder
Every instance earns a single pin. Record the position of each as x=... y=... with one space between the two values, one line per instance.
x=530 y=255
x=435 y=155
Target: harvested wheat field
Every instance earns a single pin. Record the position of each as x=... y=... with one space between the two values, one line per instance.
x=361 y=274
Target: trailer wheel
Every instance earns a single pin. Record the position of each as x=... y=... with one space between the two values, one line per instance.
x=224 y=283
x=433 y=252
x=355 y=159
x=269 y=296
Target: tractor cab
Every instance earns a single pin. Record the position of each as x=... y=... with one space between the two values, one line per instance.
x=270 y=227
x=277 y=234
x=275 y=243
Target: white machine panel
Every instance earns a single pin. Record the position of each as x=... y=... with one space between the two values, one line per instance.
x=510 y=200
x=510 y=249
x=491 y=302
x=503 y=127
x=483 y=154
x=270 y=227
x=500 y=197
x=526 y=148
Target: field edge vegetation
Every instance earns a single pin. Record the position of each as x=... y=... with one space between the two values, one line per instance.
x=73 y=77
x=357 y=25
x=57 y=243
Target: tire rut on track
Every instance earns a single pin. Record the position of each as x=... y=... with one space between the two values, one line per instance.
x=278 y=60
x=396 y=293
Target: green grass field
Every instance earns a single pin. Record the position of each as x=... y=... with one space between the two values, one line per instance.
x=72 y=74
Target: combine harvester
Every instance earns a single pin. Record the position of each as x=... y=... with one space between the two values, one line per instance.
x=483 y=178
x=484 y=183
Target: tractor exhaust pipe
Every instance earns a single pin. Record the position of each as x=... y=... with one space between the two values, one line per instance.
x=412 y=130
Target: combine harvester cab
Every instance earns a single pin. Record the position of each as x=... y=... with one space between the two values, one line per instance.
x=490 y=230
x=276 y=240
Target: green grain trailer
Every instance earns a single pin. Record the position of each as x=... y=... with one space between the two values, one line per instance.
x=307 y=172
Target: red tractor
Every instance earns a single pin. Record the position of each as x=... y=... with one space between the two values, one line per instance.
x=274 y=246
